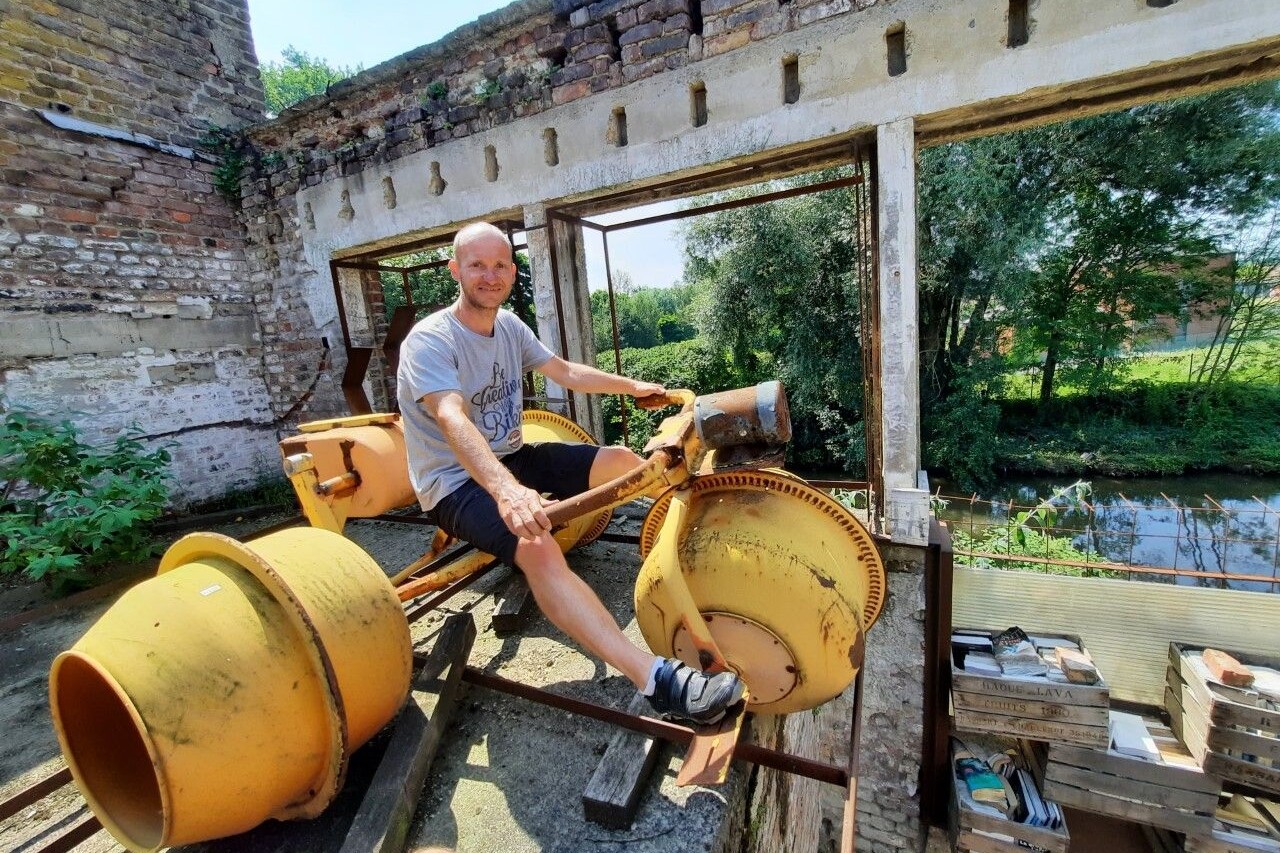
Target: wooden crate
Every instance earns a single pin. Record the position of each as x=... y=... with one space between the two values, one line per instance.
x=1173 y=794
x=973 y=831
x=1225 y=728
x=1034 y=708
x=1222 y=840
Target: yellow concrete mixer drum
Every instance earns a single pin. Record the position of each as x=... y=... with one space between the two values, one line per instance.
x=787 y=579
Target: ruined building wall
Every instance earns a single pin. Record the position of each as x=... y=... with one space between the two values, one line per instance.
x=125 y=295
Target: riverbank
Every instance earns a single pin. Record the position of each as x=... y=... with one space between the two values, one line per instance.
x=1144 y=431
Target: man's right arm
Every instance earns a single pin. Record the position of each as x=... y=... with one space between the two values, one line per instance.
x=521 y=508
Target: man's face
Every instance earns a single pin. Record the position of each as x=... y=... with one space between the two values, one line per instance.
x=484 y=271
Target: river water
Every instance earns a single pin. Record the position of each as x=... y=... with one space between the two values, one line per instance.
x=1218 y=523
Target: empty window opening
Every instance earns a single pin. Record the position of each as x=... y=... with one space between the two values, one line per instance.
x=790 y=79
x=615 y=36
x=695 y=17
x=698 y=103
x=490 y=163
x=437 y=183
x=550 y=147
x=617 y=134
x=895 y=39
x=1019 y=23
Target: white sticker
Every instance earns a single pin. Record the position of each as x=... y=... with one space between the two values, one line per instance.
x=210 y=590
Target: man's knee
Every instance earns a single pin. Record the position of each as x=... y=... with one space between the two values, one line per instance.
x=540 y=557
x=611 y=463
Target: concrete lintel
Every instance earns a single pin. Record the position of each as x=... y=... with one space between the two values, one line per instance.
x=52 y=336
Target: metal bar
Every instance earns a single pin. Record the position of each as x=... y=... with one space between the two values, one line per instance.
x=657 y=728
x=1131 y=568
x=934 y=759
x=717 y=207
x=69 y=840
x=34 y=793
x=617 y=343
x=404 y=286
x=342 y=307
x=849 y=826
x=445 y=595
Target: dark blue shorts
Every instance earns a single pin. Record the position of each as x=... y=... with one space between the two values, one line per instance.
x=560 y=469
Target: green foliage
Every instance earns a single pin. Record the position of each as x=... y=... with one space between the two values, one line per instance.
x=694 y=364
x=298 y=77
x=68 y=507
x=1028 y=533
x=781 y=291
x=647 y=317
x=486 y=90
x=229 y=147
x=438 y=90
x=435 y=288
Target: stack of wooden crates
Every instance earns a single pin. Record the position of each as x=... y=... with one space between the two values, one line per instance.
x=1234 y=733
x=1065 y=728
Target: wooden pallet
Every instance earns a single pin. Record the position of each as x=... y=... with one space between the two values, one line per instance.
x=1224 y=727
x=1034 y=708
x=1223 y=840
x=1173 y=794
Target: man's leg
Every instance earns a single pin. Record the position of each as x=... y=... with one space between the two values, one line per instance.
x=573 y=607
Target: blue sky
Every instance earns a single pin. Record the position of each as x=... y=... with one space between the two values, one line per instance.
x=366 y=33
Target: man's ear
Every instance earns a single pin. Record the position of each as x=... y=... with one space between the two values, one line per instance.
x=455 y=270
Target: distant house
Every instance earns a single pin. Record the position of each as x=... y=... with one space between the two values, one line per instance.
x=1196 y=328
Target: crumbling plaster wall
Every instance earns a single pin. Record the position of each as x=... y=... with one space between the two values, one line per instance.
x=124 y=289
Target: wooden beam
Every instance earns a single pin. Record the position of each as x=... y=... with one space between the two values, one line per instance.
x=513 y=606
x=612 y=797
x=382 y=823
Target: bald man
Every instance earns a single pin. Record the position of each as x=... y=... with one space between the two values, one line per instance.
x=460 y=400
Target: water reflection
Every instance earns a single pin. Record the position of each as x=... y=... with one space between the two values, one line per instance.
x=1210 y=523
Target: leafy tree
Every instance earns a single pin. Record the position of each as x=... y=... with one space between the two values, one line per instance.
x=647 y=317
x=782 y=297
x=434 y=288
x=298 y=77
x=1248 y=310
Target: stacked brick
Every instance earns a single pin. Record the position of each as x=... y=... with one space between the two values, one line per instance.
x=516 y=62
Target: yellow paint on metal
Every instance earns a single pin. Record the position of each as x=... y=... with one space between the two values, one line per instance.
x=792 y=565
x=539 y=426
x=232 y=687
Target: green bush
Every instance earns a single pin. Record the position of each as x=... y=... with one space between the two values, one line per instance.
x=66 y=507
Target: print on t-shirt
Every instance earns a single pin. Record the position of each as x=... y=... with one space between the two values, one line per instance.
x=497 y=408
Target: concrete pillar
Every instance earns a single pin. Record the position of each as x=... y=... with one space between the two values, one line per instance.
x=570 y=281
x=906 y=505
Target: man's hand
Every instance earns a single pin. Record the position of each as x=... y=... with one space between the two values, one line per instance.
x=522 y=510
x=647 y=389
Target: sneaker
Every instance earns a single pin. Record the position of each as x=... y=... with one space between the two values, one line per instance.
x=687 y=694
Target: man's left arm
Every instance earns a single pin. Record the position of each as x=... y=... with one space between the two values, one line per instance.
x=580 y=377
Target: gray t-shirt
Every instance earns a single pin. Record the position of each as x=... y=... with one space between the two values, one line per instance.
x=441 y=354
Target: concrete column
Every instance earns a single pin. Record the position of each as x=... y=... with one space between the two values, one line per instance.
x=569 y=280
x=906 y=506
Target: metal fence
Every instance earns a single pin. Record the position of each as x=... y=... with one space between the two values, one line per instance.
x=1234 y=547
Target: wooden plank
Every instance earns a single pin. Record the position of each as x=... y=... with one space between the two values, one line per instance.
x=1222 y=842
x=1186 y=726
x=1115 y=764
x=1230 y=706
x=706 y=761
x=1246 y=743
x=1125 y=810
x=1149 y=793
x=1245 y=772
x=513 y=607
x=1048 y=730
x=1017 y=707
x=612 y=796
x=967 y=826
x=1030 y=688
x=382 y=822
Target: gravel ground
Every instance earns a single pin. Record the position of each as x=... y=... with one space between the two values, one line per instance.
x=509 y=774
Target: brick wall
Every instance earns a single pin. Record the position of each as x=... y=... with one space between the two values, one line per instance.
x=125 y=295
x=166 y=68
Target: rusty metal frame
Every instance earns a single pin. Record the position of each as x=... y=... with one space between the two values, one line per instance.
x=358 y=358
x=935 y=763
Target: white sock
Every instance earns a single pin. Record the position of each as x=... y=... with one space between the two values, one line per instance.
x=652 y=684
